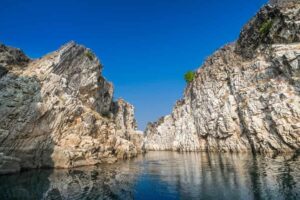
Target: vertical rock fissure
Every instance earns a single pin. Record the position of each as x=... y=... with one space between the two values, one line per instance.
x=243 y=125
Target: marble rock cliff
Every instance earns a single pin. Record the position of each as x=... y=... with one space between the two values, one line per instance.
x=246 y=96
x=58 y=111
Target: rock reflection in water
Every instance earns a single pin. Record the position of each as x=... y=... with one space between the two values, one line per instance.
x=165 y=175
x=225 y=176
x=107 y=182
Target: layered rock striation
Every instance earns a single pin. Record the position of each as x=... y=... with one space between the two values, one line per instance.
x=58 y=111
x=246 y=96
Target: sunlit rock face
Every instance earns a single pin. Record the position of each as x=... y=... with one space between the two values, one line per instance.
x=58 y=111
x=282 y=2
x=245 y=97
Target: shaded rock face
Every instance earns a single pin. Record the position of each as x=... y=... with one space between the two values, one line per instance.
x=245 y=97
x=12 y=57
x=58 y=111
x=271 y=25
x=9 y=164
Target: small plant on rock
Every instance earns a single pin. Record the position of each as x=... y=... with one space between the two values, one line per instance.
x=189 y=76
x=90 y=55
x=265 y=27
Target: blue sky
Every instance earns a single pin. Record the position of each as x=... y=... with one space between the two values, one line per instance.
x=145 y=45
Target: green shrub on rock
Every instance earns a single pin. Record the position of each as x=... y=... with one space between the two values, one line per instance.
x=90 y=55
x=265 y=27
x=189 y=76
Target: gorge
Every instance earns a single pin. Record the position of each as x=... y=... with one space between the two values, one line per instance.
x=234 y=134
x=59 y=111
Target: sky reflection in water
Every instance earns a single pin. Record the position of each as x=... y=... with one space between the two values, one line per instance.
x=165 y=175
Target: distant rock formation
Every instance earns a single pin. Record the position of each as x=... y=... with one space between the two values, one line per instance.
x=58 y=111
x=245 y=97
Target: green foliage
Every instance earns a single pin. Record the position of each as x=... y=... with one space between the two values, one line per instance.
x=90 y=55
x=189 y=76
x=265 y=27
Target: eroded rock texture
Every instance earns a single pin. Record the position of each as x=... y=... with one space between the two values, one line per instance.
x=245 y=97
x=58 y=111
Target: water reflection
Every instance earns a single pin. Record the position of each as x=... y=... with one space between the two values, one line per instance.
x=165 y=175
x=107 y=182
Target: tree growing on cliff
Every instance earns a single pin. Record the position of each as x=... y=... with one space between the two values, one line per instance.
x=189 y=76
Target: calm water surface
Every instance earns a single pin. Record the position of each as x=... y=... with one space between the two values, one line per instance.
x=164 y=175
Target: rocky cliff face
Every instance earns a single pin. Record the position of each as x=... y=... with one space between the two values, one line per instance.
x=58 y=111
x=245 y=97
x=282 y=2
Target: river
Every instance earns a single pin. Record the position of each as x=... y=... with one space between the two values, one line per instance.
x=164 y=175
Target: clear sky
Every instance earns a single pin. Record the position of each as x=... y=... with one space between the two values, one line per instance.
x=145 y=45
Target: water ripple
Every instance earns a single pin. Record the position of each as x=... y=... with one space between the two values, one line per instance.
x=164 y=175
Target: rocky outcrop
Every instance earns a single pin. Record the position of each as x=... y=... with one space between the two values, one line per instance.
x=12 y=58
x=271 y=25
x=124 y=116
x=282 y=2
x=245 y=97
x=58 y=111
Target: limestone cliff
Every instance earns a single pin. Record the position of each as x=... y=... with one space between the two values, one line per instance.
x=58 y=111
x=246 y=96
